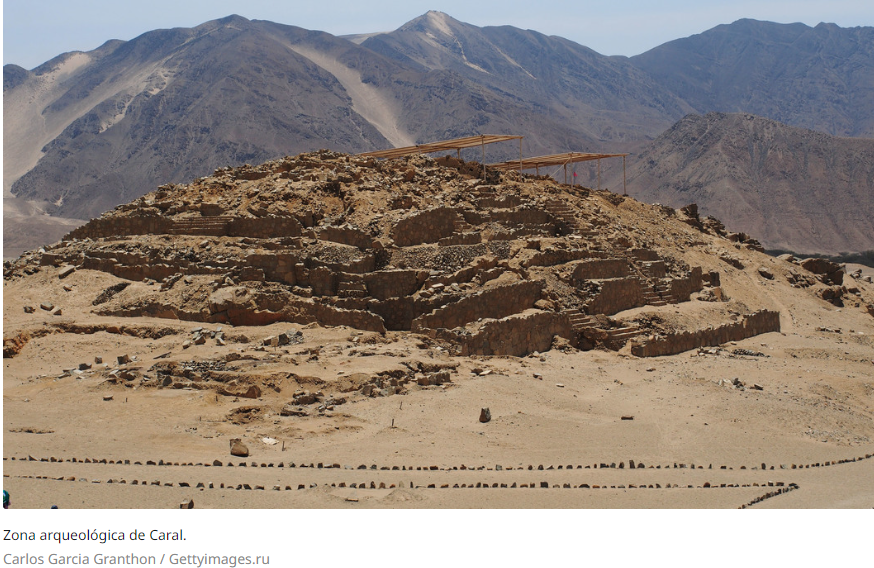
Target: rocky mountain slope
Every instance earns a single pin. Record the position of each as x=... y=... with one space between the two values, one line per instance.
x=606 y=98
x=821 y=78
x=87 y=131
x=792 y=188
x=171 y=105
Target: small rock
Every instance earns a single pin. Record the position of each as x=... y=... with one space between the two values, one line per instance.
x=66 y=271
x=29 y=309
x=187 y=504
x=238 y=448
x=485 y=415
x=628 y=417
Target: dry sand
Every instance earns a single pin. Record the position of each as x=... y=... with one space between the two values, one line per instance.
x=556 y=409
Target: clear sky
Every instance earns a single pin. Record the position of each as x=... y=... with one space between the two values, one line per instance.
x=34 y=31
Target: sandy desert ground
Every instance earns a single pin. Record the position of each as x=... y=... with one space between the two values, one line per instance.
x=556 y=418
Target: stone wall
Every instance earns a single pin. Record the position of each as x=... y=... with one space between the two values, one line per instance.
x=556 y=256
x=523 y=216
x=425 y=227
x=151 y=222
x=346 y=236
x=391 y=283
x=497 y=302
x=616 y=295
x=600 y=268
x=763 y=321
x=654 y=268
x=473 y=238
x=516 y=335
x=264 y=227
x=278 y=267
x=115 y=226
x=645 y=255
x=682 y=288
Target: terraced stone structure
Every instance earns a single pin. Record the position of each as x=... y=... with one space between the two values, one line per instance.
x=501 y=266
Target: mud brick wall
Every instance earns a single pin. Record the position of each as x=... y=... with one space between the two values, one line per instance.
x=425 y=227
x=399 y=313
x=264 y=227
x=656 y=268
x=645 y=255
x=323 y=281
x=461 y=239
x=504 y=202
x=361 y=265
x=510 y=217
x=516 y=335
x=303 y=312
x=114 y=226
x=616 y=294
x=276 y=267
x=682 y=288
x=601 y=268
x=346 y=236
x=386 y=284
x=557 y=256
x=467 y=274
x=493 y=303
x=757 y=323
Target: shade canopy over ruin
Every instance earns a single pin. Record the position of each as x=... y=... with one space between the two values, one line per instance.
x=538 y=162
x=443 y=145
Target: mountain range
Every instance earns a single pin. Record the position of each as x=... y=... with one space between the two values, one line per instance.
x=792 y=188
x=89 y=130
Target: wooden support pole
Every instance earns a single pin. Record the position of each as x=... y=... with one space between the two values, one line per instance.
x=483 y=144
x=599 y=174
x=520 y=156
x=624 y=187
x=565 y=173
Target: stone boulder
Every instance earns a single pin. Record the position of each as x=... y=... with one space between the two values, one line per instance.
x=485 y=415
x=829 y=272
x=238 y=448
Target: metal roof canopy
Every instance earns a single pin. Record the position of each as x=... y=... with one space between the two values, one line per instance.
x=455 y=144
x=560 y=160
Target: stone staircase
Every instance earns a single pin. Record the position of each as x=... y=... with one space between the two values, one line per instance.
x=207 y=226
x=659 y=295
x=579 y=320
x=623 y=334
x=617 y=337
x=566 y=214
x=462 y=226
x=351 y=286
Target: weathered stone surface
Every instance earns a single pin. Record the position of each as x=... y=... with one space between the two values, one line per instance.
x=238 y=448
x=485 y=415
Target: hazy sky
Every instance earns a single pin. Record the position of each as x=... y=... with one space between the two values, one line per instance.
x=34 y=31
